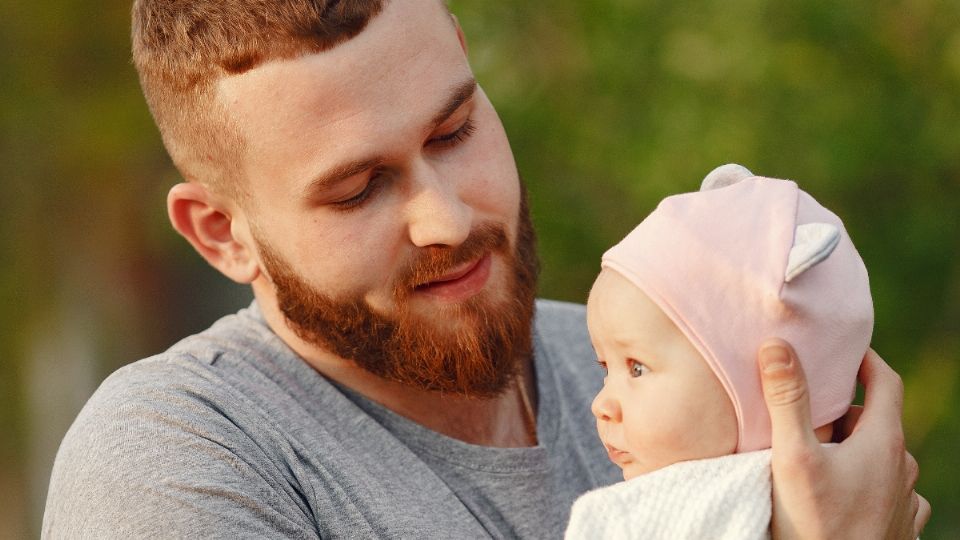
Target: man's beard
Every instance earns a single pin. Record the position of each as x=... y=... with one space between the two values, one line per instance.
x=493 y=335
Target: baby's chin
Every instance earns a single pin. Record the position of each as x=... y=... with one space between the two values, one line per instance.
x=632 y=471
x=635 y=468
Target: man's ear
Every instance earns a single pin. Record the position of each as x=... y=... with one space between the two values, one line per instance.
x=208 y=223
x=460 y=34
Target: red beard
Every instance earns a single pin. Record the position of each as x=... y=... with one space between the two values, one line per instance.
x=480 y=359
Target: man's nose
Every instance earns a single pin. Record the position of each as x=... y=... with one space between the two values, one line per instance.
x=605 y=406
x=436 y=215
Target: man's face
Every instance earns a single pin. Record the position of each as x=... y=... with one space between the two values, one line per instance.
x=385 y=204
x=660 y=403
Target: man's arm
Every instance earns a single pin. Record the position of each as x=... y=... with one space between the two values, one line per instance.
x=861 y=488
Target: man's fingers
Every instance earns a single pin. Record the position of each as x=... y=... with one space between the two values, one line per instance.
x=913 y=470
x=883 y=392
x=845 y=425
x=922 y=516
x=787 y=398
x=919 y=505
x=883 y=398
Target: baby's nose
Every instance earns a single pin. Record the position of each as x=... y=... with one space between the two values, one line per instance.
x=605 y=407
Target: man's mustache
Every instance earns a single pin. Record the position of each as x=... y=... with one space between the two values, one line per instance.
x=433 y=262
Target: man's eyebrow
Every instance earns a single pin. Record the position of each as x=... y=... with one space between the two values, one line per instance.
x=340 y=172
x=460 y=95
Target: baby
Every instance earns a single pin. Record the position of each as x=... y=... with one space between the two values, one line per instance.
x=676 y=317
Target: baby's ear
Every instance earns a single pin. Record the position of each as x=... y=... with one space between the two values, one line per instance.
x=725 y=175
x=812 y=243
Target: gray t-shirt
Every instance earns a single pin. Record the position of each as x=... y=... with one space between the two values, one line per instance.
x=229 y=434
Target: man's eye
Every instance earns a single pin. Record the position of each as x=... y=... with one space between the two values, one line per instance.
x=357 y=200
x=636 y=368
x=456 y=137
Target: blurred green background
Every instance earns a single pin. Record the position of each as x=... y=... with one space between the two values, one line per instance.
x=610 y=106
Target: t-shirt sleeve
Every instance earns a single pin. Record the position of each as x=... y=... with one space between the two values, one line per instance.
x=167 y=461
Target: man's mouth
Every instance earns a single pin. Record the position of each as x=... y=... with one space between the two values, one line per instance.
x=461 y=282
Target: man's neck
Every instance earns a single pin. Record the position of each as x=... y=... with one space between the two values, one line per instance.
x=507 y=420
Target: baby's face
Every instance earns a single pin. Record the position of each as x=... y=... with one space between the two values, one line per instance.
x=660 y=402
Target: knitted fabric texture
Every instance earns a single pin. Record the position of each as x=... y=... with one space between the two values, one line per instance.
x=725 y=498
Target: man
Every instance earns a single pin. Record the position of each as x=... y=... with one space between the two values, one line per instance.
x=388 y=380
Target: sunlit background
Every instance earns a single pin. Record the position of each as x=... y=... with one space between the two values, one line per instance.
x=610 y=106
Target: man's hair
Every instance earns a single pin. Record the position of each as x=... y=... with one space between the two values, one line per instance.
x=182 y=47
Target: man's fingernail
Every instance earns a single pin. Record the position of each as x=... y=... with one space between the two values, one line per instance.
x=774 y=358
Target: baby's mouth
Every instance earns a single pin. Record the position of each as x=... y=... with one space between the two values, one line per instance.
x=620 y=457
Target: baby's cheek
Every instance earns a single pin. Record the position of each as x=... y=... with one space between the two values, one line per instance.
x=660 y=441
x=709 y=422
x=685 y=438
x=717 y=424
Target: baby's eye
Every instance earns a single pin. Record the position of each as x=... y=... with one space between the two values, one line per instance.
x=636 y=368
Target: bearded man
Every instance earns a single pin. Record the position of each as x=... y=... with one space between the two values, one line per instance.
x=394 y=376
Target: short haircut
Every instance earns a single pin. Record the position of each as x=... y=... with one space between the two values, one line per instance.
x=182 y=47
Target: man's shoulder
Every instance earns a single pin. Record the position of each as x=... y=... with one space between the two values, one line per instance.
x=562 y=328
x=188 y=388
x=237 y=363
x=214 y=414
x=212 y=385
x=561 y=307
x=195 y=364
x=556 y=316
x=563 y=343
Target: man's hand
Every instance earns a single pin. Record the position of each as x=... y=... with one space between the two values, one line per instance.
x=861 y=488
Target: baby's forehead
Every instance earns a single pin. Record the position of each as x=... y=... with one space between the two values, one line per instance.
x=612 y=289
x=617 y=303
x=609 y=280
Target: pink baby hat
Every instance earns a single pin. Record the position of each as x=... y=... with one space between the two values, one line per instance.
x=747 y=258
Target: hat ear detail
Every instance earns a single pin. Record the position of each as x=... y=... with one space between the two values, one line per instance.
x=812 y=244
x=724 y=176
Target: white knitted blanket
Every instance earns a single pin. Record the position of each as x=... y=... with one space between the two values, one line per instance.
x=718 y=498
